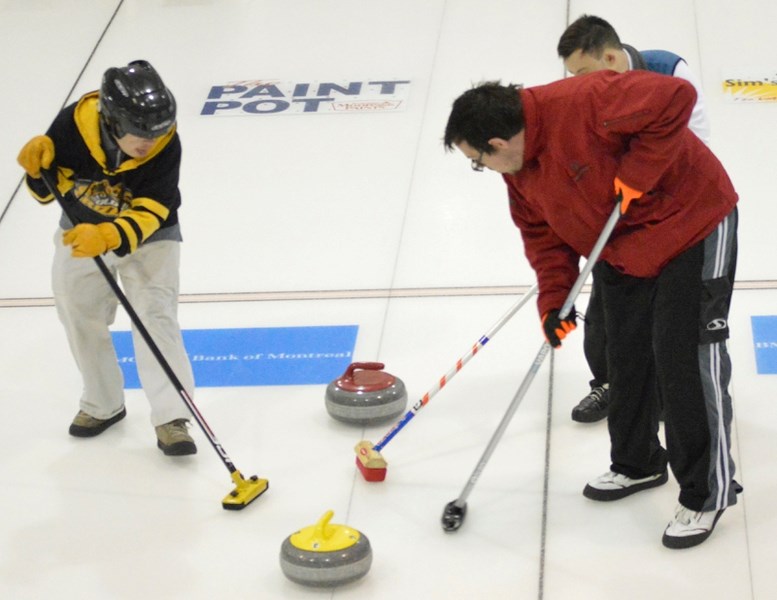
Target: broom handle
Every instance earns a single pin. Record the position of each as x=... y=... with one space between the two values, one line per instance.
x=565 y=310
x=456 y=368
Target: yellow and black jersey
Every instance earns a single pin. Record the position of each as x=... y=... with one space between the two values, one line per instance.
x=140 y=196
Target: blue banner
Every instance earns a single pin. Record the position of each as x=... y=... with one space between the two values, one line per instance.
x=765 y=342
x=258 y=356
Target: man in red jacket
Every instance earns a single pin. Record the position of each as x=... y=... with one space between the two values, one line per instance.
x=567 y=151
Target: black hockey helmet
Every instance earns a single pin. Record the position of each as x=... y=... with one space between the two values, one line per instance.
x=133 y=99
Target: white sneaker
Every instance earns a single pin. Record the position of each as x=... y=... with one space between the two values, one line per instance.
x=614 y=486
x=689 y=528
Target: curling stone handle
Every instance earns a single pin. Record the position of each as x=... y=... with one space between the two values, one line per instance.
x=366 y=366
x=321 y=527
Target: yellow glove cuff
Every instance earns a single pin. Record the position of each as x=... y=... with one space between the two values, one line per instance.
x=110 y=233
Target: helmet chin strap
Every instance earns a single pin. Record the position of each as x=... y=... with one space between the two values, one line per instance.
x=111 y=129
x=109 y=142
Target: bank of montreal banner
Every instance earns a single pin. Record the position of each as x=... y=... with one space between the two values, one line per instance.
x=765 y=343
x=256 y=356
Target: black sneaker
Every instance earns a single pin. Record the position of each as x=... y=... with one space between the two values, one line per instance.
x=594 y=406
x=614 y=486
x=85 y=425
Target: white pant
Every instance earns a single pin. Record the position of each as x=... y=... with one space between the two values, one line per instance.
x=86 y=306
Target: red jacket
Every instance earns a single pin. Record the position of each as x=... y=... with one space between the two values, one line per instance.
x=581 y=133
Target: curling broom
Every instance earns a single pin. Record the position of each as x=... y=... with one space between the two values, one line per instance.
x=246 y=490
x=456 y=510
x=369 y=460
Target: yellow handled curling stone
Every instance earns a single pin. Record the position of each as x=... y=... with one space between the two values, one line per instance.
x=326 y=555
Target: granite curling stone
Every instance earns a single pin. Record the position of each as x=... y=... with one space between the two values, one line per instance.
x=326 y=555
x=366 y=395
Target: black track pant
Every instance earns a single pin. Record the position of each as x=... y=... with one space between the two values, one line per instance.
x=595 y=340
x=670 y=331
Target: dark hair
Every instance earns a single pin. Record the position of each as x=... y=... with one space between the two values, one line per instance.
x=589 y=34
x=486 y=111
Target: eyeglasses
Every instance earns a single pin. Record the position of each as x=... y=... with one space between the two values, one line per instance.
x=476 y=164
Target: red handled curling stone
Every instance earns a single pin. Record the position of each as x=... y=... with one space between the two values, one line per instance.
x=366 y=395
x=326 y=555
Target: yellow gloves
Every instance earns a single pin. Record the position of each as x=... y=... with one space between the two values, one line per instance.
x=625 y=194
x=87 y=240
x=37 y=154
x=90 y=240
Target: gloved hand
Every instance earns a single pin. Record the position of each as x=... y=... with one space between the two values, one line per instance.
x=625 y=194
x=36 y=154
x=556 y=329
x=90 y=240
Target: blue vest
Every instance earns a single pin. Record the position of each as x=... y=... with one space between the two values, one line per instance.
x=661 y=61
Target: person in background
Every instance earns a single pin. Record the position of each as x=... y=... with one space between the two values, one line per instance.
x=116 y=156
x=588 y=45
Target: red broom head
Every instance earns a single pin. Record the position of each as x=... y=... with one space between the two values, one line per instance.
x=371 y=474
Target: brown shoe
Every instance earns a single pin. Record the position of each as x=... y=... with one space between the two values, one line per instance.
x=85 y=425
x=174 y=440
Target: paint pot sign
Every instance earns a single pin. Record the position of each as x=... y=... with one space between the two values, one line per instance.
x=756 y=85
x=275 y=97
